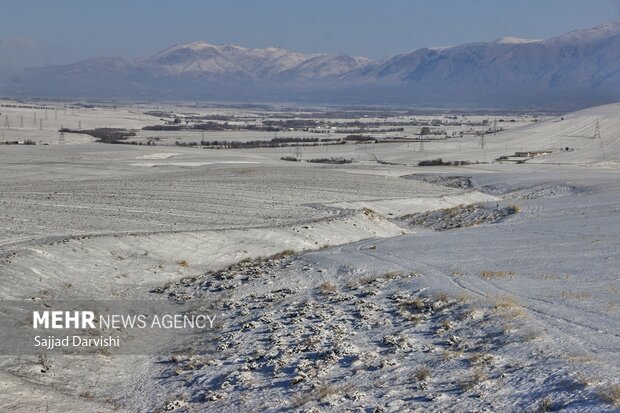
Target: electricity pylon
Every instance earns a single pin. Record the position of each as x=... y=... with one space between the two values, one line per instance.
x=597 y=135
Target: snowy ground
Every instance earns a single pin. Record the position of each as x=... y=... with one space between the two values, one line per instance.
x=489 y=287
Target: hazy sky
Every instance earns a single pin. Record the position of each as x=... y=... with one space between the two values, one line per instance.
x=62 y=31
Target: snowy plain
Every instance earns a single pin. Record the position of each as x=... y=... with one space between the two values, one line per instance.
x=518 y=314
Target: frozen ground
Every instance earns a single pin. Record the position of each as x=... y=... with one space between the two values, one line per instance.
x=416 y=291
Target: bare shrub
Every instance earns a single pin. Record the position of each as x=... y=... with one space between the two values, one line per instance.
x=44 y=363
x=422 y=373
x=85 y=394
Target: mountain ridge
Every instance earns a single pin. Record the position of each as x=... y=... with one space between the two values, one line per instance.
x=574 y=69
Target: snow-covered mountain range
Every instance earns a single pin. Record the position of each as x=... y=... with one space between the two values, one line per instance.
x=575 y=69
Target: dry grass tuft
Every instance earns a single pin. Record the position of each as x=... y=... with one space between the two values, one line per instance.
x=328 y=288
x=282 y=254
x=505 y=302
x=545 y=405
x=320 y=393
x=554 y=277
x=481 y=358
x=327 y=389
x=477 y=376
x=446 y=324
x=451 y=354
x=463 y=298
x=611 y=394
x=369 y=279
x=576 y=295
x=392 y=275
x=508 y=307
x=489 y=275
x=530 y=335
x=183 y=263
x=414 y=305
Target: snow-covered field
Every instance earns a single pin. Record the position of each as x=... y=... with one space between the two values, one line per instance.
x=486 y=287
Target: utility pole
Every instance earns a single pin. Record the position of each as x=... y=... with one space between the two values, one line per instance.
x=61 y=138
x=6 y=121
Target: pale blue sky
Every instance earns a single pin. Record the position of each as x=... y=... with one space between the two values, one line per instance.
x=62 y=31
